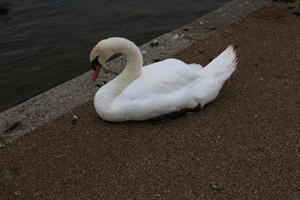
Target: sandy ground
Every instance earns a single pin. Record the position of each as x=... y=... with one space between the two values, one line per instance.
x=245 y=145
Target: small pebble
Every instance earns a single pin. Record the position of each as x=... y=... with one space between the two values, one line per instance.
x=75 y=118
x=176 y=36
x=154 y=43
x=17 y=193
x=215 y=187
x=186 y=29
x=143 y=51
x=212 y=28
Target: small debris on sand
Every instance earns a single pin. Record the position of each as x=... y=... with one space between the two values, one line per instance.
x=176 y=36
x=17 y=193
x=154 y=43
x=216 y=187
x=186 y=29
x=212 y=28
x=75 y=119
x=144 y=51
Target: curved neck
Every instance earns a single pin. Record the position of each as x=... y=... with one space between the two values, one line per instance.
x=134 y=59
x=132 y=70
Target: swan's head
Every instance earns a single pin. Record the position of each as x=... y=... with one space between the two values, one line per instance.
x=100 y=54
x=106 y=49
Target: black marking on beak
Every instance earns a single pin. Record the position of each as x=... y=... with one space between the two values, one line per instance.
x=95 y=62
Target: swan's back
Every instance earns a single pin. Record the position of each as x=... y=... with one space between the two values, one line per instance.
x=171 y=85
x=162 y=77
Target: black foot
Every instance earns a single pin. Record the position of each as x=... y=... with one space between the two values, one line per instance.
x=167 y=117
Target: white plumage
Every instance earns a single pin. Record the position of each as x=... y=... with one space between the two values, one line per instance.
x=141 y=93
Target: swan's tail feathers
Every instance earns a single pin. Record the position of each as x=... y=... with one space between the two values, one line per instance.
x=223 y=65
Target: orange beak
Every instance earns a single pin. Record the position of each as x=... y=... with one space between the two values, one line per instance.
x=96 y=70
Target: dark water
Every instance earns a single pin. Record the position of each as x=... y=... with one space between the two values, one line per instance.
x=46 y=42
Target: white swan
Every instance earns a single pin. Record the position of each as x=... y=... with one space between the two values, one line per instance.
x=141 y=93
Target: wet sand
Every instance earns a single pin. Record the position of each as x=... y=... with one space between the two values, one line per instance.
x=245 y=145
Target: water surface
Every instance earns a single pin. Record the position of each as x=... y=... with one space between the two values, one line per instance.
x=45 y=43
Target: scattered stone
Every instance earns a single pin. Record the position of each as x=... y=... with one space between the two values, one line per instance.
x=176 y=36
x=154 y=43
x=212 y=28
x=144 y=51
x=201 y=22
x=186 y=29
x=17 y=193
x=12 y=126
x=75 y=119
x=155 y=59
x=215 y=187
